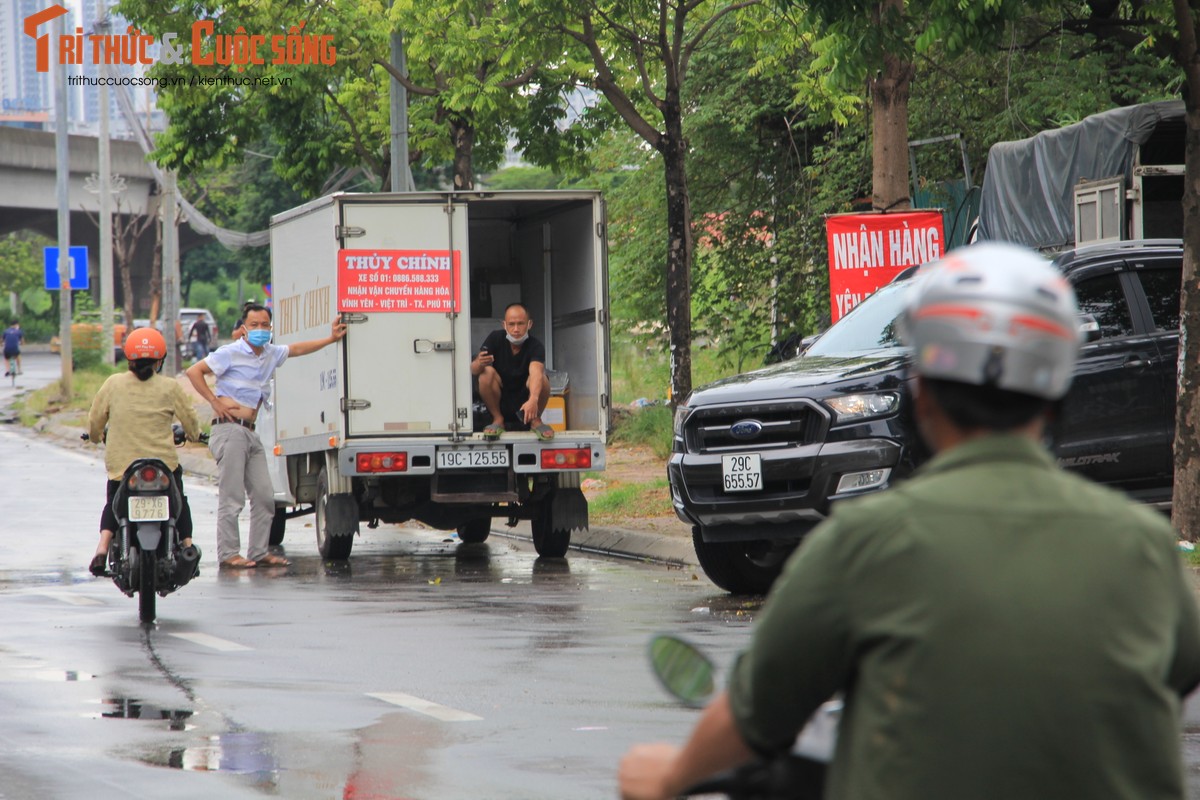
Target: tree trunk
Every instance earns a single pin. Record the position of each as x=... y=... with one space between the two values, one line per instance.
x=156 y=271
x=673 y=148
x=890 y=90
x=1185 y=504
x=462 y=133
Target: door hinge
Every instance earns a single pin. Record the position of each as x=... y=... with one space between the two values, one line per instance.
x=463 y=412
x=348 y=231
x=355 y=405
x=353 y=317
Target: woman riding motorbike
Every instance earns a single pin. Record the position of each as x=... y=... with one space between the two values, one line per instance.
x=138 y=408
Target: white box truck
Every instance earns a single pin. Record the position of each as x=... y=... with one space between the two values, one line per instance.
x=386 y=425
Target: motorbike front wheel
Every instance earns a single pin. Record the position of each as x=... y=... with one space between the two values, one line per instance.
x=147 y=570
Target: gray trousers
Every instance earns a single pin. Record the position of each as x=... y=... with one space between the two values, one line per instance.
x=241 y=470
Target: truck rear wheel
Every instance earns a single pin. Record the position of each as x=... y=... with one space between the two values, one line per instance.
x=739 y=567
x=278 y=526
x=475 y=531
x=336 y=521
x=552 y=526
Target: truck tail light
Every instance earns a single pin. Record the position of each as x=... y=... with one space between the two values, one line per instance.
x=381 y=462
x=567 y=458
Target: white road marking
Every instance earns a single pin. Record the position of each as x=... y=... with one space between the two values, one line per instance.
x=204 y=639
x=71 y=599
x=427 y=707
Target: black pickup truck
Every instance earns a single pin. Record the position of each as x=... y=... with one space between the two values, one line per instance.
x=760 y=458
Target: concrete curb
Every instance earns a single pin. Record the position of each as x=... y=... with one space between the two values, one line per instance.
x=619 y=542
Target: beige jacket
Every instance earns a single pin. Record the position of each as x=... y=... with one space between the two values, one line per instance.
x=139 y=416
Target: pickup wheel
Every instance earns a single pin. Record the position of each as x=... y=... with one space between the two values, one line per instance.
x=548 y=542
x=739 y=567
x=475 y=531
x=336 y=521
x=278 y=526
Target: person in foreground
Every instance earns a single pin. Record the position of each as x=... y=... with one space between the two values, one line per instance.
x=243 y=370
x=138 y=408
x=1000 y=628
x=511 y=367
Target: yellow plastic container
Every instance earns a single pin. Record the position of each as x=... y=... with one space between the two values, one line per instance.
x=555 y=414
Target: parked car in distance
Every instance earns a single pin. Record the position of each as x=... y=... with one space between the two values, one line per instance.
x=188 y=317
x=759 y=459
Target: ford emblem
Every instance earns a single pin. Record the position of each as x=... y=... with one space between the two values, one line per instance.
x=745 y=429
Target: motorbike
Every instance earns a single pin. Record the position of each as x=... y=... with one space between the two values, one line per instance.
x=145 y=557
x=691 y=677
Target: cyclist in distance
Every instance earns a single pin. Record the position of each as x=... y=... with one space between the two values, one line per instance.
x=138 y=408
x=998 y=627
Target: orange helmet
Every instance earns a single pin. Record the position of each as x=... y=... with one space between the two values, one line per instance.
x=145 y=343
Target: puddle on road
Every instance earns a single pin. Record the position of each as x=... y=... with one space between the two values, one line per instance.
x=243 y=753
x=127 y=708
x=70 y=675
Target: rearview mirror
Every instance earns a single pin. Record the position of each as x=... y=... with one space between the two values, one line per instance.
x=683 y=670
x=1089 y=326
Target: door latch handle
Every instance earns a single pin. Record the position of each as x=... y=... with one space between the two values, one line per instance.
x=430 y=346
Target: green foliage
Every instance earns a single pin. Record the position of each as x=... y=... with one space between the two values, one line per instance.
x=649 y=427
x=522 y=178
x=22 y=274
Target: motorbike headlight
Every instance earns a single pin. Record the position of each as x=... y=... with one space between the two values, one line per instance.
x=857 y=407
x=681 y=414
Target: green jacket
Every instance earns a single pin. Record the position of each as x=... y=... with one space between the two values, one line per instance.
x=1001 y=629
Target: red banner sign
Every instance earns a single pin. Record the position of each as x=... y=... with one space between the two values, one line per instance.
x=867 y=250
x=399 y=281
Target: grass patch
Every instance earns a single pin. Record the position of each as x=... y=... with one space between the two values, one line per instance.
x=629 y=500
x=648 y=427
x=639 y=370
x=48 y=400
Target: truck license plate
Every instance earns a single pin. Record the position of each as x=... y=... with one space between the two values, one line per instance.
x=742 y=473
x=153 y=508
x=472 y=458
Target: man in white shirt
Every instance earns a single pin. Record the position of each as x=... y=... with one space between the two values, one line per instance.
x=244 y=369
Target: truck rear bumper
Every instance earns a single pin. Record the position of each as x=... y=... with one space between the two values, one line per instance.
x=526 y=454
x=799 y=486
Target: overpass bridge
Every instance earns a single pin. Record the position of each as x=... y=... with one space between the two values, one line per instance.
x=28 y=199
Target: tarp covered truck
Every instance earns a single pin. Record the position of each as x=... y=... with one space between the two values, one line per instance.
x=385 y=426
x=1112 y=176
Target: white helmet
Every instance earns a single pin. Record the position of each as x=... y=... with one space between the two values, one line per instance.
x=994 y=314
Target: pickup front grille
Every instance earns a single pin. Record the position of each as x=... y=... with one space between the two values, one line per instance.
x=779 y=425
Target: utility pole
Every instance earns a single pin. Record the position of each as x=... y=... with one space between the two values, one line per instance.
x=106 y=249
x=62 y=164
x=401 y=174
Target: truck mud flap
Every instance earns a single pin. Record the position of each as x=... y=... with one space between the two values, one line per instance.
x=569 y=510
x=341 y=515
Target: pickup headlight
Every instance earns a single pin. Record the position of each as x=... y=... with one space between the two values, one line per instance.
x=681 y=414
x=855 y=407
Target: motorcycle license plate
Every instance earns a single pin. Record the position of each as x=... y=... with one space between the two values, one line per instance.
x=742 y=473
x=151 y=508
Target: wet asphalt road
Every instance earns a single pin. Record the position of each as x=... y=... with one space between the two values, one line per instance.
x=421 y=668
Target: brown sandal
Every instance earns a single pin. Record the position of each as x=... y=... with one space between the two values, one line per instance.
x=237 y=562
x=273 y=561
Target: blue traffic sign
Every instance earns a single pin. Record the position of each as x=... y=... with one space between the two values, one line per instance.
x=78 y=256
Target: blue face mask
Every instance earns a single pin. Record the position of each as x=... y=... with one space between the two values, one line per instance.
x=258 y=338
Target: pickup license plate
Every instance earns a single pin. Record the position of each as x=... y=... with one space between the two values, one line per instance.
x=151 y=508
x=742 y=473
x=472 y=458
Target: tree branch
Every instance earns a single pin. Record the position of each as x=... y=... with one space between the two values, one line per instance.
x=403 y=79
